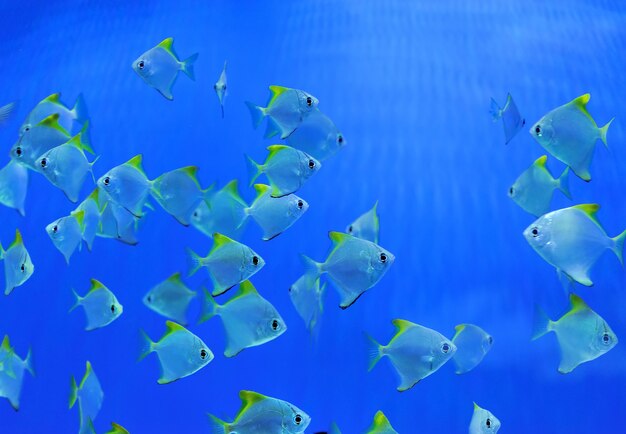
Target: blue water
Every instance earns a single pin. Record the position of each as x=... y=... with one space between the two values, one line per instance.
x=408 y=83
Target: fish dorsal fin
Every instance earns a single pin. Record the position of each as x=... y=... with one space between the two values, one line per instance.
x=94 y=195
x=476 y=407
x=590 y=209
x=274 y=149
x=18 y=239
x=232 y=188
x=541 y=161
x=249 y=398
x=52 y=121
x=338 y=237
x=577 y=303
x=459 y=328
x=191 y=171
x=220 y=240
x=96 y=285
x=117 y=428
x=402 y=325
x=88 y=372
x=277 y=91
x=173 y=327
x=261 y=189
x=380 y=421
x=581 y=104
x=6 y=345
x=80 y=218
x=54 y=98
x=175 y=278
x=168 y=45
x=136 y=162
x=246 y=288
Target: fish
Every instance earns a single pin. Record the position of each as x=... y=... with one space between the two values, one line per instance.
x=285 y=111
x=570 y=134
x=472 y=345
x=179 y=193
x=68 y=118
x=534 y=188
x=100 y=304
x=381 y=425
x=308 y=299
x=170 y=298
x=353 y=266
x=415 y=352
x=318 y=136
x=366 y=226
x=286 y=169
x=6 y=111
x=180 y=353
x=66 y=166
x=223 y=212
x=512 y=121
x=13 y=186
x=583 y=335
x=249 y=319
x=89 y=395
x=159 y=67
x=221 y=88
x=263 y=414
x=18 y=267
x=127 y=185
x=117 y=429
x=90 y=207
x=274 y=215
x=483 y=422
x=228 y=263
x=571 y=239
x=12 y=372
x=66 y=233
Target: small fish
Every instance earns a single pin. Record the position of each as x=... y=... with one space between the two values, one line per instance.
x=159 y=67
x=512 y=121
x=274 y=215
x=483 y=422
x=263 y=414
x=354 y=265
x=571 y=239
x=249 y=319
x=582 y=334
x=127 y=185
x=533 y=189
x=66 y=166
x=308 y=299
x=285 y=111
x=570 y=134
x=472 y=345
x=286 y=169
x=12 y=372
x=366 y=226
x=66 y=233
x=221 y=88
x=318 y=136
x=13 y=186
x=68 y=118
x=381 y=425
x=170 y=298
x=89 y=396
x=228 y=263
x=415 y=352
x=223 y=212
x=101 y=306
x=180 y=352
x=117 y=429
x=179 y=193
x=90 y=207
x=6 y=111
x=18 y=266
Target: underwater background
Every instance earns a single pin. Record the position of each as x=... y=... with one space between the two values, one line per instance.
x=409 y=84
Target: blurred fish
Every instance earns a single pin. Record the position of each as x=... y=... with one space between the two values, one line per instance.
x=89 y=396
x=533 y=189
x=571 y=239
x=100 y=304
x=180 y=352
x=512 y=121
x=318 y=136
x=366 y=226
x=415 y=352
x=18 y=266
x=118 y=223
x=170 y=298
x=249 y=319
x=263 y=414
x=179 y=193
x=127 y=185
x=224 y=213
x=483 y=422
x=159 y=67
x=274 y=215
x=381 y=425
x=308 y=299
x=90 y=207
x=117 y=429
x=472 y=345
x=285 y=111
x=221 y=88
x=286 y=169
x=12 y=372
x=51 y=105
x=66 y=166
x=13 y=186
x=570 y=134
x=228 y=263
x=66 y=233
x=582 y=334
x=6 y=111
x=354 y=265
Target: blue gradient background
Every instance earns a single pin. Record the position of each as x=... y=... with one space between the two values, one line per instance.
x=408 y=83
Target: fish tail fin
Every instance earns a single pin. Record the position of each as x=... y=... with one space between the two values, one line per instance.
x=314 y=269
x=73 y=392
x=85 y=138
x=78 y=301
x=28 y=362
x=254 y=169
x=6 y=110
x=603 y=132
x=147 y=346
x=541 y=323
x=195 y=262
x=219 y=426
x=618 y=246
x=495 y=110
x=257 y=113
x=187 y=66
x=80 y=110
x=374 y=352
x=209 y=307
x=91 y=170
x=563 y=183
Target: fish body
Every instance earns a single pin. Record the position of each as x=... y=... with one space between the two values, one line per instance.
x=100 y=304
x=274 y=215
x=472 y=345
x=18 y=267
x=179 y=193
x=483 y=422
x=318 y=136
x=13 y=186
x=90 y=207
x=68 y=118
x=512 y=121
x=308 y=299
x=366 y=226
x=221 y=88
x=89 y=395
x=66 y=233
x=223 y=212
x=12 y=370
x=127 y=185
x=170 y=298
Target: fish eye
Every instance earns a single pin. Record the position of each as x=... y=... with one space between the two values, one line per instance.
x=511 y=191
x=309 y=101
x=203 y=354
x=55 y=229
x=107 y=181
x=300 y=204
x=18 y=151
x=340 y=139
x=27 y=129
x=255 y=260
x=149 y=299
x=445 y=348
x=488 y=423
x=490 y=340
x=23 y=267
x=275 y=324
x=297 y=419
x=112 y=308
x=606 y=339
x=215 y=86
x=383 y=258
x=538 y=130
x=350 y=229
x=44 y=163
x=141 y=64
x=311 y=164
x=535 y=232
